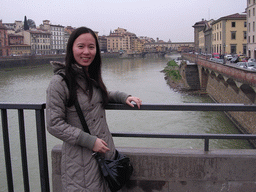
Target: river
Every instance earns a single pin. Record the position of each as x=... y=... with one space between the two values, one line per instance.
x=140 y=77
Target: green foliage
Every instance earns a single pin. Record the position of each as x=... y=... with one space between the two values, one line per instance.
x=171 y=70
x=172 y=63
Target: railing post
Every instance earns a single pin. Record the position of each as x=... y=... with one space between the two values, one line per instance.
x=7 y=153
x=23 y=150
x=206 y=144
x=42 y=150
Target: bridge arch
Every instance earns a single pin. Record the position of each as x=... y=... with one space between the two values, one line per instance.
x=222 y=80
x=233 y=84
x=248 y=91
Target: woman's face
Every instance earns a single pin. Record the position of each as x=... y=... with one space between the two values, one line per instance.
x=84 y=49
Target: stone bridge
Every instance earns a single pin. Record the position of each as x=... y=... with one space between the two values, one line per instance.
x=226 y=83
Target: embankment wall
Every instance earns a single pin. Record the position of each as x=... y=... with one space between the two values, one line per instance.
x=26 y=61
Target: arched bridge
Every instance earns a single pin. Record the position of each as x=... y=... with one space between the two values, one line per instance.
x=226 y=83
x=229 y=74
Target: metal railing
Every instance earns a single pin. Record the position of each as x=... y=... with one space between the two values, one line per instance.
x=41 y=144
x=41 y=133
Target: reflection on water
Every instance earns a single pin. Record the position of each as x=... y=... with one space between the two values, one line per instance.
x=139 y=77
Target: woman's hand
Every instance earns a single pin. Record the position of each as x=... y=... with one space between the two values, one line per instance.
x=100 y=146
x=134 y=99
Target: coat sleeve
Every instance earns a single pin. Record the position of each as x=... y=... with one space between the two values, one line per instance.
x=117 y=97
x=56 y=97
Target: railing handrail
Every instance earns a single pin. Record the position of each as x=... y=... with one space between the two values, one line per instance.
x=41 y=137
x=22 y=106
x=185 y=107
x=168 y=107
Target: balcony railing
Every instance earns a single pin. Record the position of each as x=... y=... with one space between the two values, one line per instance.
x=41 y=133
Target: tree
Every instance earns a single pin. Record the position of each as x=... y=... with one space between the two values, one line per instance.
x=26 y=27
x=31 y=23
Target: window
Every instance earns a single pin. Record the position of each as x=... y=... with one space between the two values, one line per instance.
x=244 y=49
x=233 y=35
x=253 y=11
x=245 y=24
x=233 y=49
x=245 y=34
x=233 y=24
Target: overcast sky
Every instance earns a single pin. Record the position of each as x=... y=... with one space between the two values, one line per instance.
x=165 y=19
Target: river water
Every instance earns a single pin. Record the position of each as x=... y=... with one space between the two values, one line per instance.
x=140 y=77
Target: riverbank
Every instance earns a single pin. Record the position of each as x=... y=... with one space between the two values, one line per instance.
x=174 y=78
x=27 y=61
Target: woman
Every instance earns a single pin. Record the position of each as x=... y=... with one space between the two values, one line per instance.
x=82 y=69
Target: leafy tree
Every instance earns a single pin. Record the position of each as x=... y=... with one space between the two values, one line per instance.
x=31 y=23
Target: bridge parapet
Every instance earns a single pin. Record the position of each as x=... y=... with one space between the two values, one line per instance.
x=182 y=170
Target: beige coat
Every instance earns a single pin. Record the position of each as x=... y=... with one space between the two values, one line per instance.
x=79 y=168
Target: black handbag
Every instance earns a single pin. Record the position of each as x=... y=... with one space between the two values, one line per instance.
x=116 y=172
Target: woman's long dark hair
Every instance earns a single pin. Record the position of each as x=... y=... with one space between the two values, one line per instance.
x=94 y=69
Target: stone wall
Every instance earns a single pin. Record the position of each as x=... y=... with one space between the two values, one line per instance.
x=182 y=170
x=29 y=61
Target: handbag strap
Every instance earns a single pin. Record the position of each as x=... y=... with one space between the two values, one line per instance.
x=78 y=108
x=81 y=117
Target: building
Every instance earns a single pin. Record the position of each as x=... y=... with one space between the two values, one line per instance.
x=103 y=43
x=198 y=27
x=39 y=40
x=14 y=39
x=121 y=40
x=20 y=50
x=57 y=37
x=17 y=26
x=203 y=36
x=4 y=47
x=67 y=32
x=17 y=46
x=251 y=33
x=201 y=42
x=229 y=34
x=139 y=45
x=208 y=37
